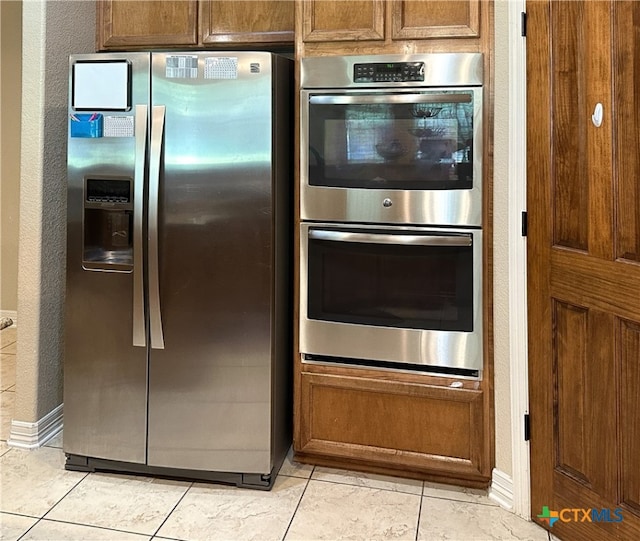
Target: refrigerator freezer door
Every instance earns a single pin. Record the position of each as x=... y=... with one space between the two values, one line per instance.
x=105 y=376
x=210 y=387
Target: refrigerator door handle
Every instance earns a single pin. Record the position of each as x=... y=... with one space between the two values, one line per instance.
x=139 y=325
x=155 y=315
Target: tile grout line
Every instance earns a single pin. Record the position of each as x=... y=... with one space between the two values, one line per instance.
x=44 y=517
x=450 y=499
x=19 y=514
x=419 y=512
x=29 y=529
x=422 y=494
x=66 y=494
x=173 y=509
x=150 y=536
x=40 y=519
x=293 y=516
x=83 y=525
x=364 y=486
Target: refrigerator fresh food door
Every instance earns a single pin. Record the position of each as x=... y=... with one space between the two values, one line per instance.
x=105 y=376
x=211 y=348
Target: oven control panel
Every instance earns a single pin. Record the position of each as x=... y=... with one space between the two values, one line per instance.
x=391 y=72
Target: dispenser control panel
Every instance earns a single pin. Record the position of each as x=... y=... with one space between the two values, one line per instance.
x=108 y=191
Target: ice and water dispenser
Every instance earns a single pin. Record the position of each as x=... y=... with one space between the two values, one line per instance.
x=108 y=224
x=101 y=121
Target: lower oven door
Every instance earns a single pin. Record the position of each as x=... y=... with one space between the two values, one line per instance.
x=392 y=297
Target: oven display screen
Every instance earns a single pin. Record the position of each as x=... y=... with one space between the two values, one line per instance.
x=389 y=68
x=393 y=72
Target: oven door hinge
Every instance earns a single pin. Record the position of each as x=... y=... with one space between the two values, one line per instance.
x=525 y=223
x=527 y=427
x=523 y=24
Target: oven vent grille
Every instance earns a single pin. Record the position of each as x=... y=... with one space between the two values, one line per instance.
x=388 y=365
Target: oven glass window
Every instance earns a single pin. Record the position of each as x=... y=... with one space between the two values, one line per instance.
x=391 y=285
x=421 y=145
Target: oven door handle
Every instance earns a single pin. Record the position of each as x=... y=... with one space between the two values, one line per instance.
x=345 y=99
x=402 y=238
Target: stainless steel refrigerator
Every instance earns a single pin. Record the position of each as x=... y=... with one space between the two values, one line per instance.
x=177 y=328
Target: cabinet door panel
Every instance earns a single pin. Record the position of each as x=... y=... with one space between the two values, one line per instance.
x=128 y=24
x=436 y=19
x=342 y=20
x=230 y=21
x=419 y=427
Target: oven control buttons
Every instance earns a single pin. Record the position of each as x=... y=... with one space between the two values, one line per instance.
x=387 y=203
x=393 y=72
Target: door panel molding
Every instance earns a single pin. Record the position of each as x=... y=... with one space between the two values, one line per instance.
x=629 y=340
x=570 y=324
x=569 y=192
x=627 y=128
x=605 y=285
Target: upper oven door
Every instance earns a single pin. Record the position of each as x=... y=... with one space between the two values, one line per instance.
x=392 y=156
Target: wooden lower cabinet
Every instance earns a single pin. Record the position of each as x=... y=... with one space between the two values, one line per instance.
x=400 y=428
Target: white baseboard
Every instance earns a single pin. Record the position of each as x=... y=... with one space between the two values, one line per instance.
x=33 y=435
x=501 y=489
x=10 y=314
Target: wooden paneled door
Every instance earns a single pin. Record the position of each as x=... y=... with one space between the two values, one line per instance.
x=583 y=179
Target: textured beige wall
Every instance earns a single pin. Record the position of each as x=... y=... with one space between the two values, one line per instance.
x=51 y=31
x=10 y=90
x=501 y=242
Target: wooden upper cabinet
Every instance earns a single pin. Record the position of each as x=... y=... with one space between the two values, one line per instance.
x=413 y=19
x=342 y=20
x=246 y=21
x=389 y=20
x=123 y=24
x=135 y=24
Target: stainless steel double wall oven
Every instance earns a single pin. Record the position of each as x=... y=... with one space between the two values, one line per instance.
x=391 y=212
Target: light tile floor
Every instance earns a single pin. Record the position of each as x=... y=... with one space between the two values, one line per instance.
x=40 y=500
